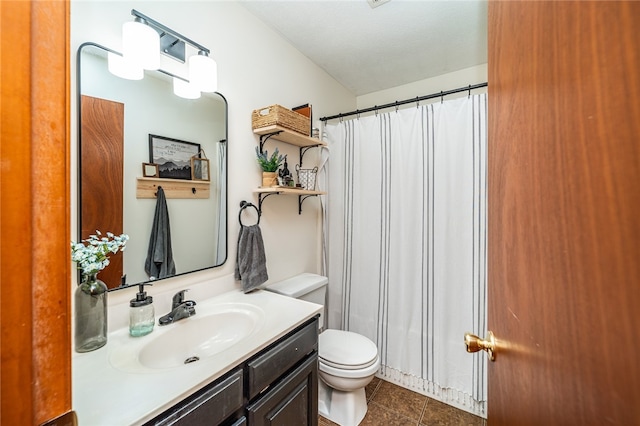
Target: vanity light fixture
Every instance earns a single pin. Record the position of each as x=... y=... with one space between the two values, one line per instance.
x=119 y=67
x=143 y=41
x=185 y=89
x=203 y=72
x=141 y=44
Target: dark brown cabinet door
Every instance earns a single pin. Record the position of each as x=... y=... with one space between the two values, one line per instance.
x=293 y=401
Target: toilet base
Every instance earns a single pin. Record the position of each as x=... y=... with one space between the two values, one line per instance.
x=343 y=408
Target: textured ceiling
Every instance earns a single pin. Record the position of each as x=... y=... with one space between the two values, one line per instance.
x=367 y=49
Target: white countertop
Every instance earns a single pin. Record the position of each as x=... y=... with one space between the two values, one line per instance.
x=104 y=394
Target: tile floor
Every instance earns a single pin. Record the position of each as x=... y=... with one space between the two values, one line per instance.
x=392 y=405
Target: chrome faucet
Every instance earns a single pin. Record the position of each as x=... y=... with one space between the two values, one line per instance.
x=180 y=309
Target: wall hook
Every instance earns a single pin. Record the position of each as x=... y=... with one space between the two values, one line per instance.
x=193 y=190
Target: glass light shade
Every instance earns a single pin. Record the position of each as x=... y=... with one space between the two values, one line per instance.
x=203 y=72
x=185 y=89
x=120 y=67
x=141 y=45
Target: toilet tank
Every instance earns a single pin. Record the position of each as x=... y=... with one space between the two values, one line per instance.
x=306 y=286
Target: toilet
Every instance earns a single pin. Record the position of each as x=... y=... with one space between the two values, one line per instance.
x=347 y=361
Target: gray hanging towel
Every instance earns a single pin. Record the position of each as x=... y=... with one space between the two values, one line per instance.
x=251 y=261
x=159 y=263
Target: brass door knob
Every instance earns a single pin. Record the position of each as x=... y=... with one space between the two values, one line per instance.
x=475 y=344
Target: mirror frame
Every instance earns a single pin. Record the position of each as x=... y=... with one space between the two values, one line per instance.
x=79 y=159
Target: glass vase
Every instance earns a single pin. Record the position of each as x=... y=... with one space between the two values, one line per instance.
x=90 y=314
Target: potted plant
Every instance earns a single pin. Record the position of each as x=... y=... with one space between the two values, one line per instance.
x=269 y=165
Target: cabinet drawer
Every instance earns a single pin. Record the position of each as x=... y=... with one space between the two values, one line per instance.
x=267 y=368
x=293 y=401
x=209 y=406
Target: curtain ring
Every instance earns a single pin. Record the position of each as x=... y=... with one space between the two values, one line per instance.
x=417 y=102
x=396 y=107
x=441 y=97
x=469 y=91
x=376 y=109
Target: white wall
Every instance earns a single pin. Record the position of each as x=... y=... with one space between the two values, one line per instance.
x=256 y=68
x=453 y=80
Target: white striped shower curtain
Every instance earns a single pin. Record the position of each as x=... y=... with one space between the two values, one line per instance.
x=406 y=242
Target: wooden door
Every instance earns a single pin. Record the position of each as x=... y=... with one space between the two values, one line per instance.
x=102 y=159
x=564 y=212
x=35 y=262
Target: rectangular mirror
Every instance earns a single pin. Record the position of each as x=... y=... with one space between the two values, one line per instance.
x=116 y=118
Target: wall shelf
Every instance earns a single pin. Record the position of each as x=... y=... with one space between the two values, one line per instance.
x=302 y=194
x=283 y=134
x=173 y=188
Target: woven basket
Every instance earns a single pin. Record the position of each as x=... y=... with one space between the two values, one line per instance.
x=281 y=116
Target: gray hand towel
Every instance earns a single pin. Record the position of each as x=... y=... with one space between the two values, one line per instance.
x=251 y=261
x=159 y=263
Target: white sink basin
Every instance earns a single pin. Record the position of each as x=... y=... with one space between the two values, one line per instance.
x=189 y=340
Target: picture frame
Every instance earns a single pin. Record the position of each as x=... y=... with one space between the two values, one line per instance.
x=173 y=156
x=150 y=170
x=200 y=169
x=305 y=110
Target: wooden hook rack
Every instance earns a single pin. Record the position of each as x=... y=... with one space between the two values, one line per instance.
x=173 y=188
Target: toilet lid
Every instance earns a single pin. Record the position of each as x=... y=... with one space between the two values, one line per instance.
x=346 y=350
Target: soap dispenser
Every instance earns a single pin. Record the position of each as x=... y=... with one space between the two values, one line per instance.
x=141 y=314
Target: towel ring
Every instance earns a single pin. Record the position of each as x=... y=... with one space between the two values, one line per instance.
x=244 y=205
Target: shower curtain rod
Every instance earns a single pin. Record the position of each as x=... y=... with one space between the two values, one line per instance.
x=407 y=101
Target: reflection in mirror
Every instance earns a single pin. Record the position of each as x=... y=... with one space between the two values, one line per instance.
x=116 y=117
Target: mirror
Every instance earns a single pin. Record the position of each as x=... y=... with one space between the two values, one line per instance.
x=119 y=122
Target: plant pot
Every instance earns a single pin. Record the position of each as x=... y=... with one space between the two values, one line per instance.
x=269 y=179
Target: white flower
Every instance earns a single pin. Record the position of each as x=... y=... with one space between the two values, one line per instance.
x=92 y=256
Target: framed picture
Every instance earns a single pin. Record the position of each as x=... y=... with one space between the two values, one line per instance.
x=200 y=169
x=150 y=170
x=172 y=156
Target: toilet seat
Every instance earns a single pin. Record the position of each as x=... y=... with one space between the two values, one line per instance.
x=346 y=373
x=346 y=350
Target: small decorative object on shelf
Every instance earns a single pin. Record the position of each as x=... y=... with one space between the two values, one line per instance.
x=269 y=165
x=200 y=167
x=150 y=170
x=307 y=177
x=90 y=296
x=284 y=175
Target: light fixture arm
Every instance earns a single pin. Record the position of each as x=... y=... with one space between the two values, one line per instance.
x=164 y=29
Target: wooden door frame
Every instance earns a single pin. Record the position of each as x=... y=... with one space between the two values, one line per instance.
x=35 y=385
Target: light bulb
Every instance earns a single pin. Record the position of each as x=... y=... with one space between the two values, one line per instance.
x=203 y=72
x=141 y=45
x=185 y=89
x=118 y=66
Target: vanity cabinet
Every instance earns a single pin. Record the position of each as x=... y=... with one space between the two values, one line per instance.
x=278 y=385
x=214 y=405
x=290 y=398
x=293 y=401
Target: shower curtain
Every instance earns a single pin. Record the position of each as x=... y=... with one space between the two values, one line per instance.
x=406 y=242
x=221 y=186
